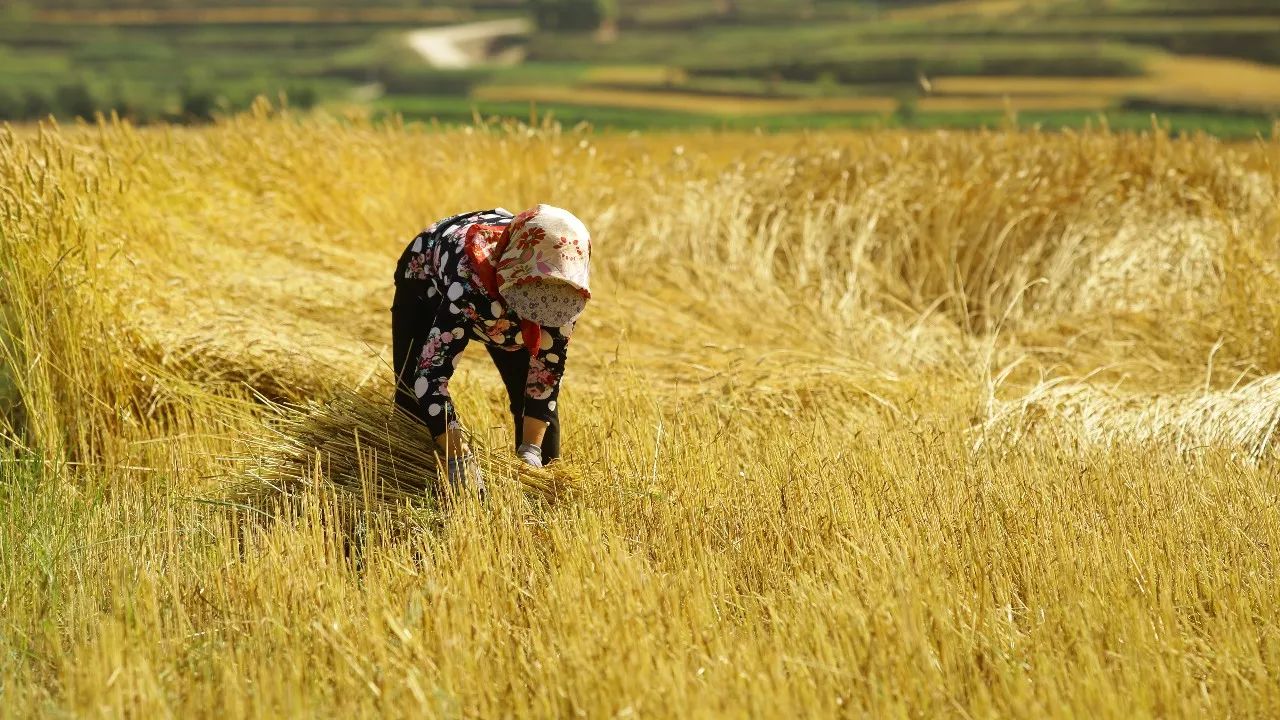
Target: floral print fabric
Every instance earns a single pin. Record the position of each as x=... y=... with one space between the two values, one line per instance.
x=437 y=263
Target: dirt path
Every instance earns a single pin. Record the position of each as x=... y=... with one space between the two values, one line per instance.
x=462 y=46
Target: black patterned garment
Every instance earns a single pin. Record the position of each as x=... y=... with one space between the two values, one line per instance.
x=435 y=274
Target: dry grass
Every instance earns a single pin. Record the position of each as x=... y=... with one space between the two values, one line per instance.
x=1246 y=419
x=883 y=424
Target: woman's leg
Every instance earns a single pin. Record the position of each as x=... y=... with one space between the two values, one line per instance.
x=513 y=366
x=411 y=315
x=551 y=441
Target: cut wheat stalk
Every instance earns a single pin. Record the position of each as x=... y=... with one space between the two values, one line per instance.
x=365 y=447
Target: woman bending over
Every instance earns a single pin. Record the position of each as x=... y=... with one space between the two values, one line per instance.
x=515 y=283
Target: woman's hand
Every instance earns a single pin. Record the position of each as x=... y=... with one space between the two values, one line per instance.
x=452 y=443
x=463 y=470
x=464 y=474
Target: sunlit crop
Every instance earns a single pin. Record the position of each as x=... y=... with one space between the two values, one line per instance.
x=889 y=424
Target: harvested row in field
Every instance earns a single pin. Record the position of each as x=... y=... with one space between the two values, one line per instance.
x=685 y=102
x=1189 y=79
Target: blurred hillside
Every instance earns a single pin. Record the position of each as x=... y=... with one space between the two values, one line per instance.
x=656 y=63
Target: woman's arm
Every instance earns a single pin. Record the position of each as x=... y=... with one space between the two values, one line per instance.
x=542 y=387
x=534 y=430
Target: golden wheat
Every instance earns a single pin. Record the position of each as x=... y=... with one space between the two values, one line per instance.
x=886 y=424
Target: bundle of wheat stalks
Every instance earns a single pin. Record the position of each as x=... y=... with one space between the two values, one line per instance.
x=363 y=446
x=1243 y=419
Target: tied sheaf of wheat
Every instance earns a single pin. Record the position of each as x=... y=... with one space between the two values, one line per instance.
x=366 y=447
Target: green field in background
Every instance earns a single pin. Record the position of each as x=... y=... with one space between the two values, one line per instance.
x=771 y=49
x=447 y=110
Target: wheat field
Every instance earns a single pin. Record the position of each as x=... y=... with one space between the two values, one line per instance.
x=857 y=425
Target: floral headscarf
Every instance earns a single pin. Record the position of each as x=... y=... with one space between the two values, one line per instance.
x=546 y=243
x=542 y=269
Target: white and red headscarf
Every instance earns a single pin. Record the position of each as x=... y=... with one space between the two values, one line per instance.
x=542 y=270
